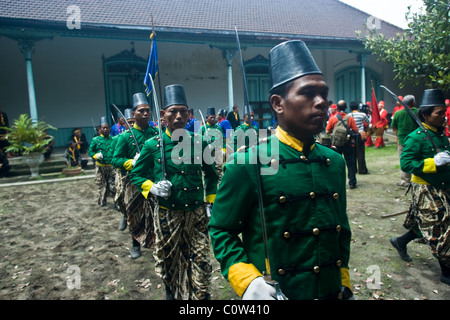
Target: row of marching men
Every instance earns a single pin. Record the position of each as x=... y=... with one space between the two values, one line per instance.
x=162 y=201
x=166 y=201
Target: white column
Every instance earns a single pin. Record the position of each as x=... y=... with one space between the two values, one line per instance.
x=229 y=56
x=27 y=48
x=363 y=59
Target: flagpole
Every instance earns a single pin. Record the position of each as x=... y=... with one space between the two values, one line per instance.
x=157 y=73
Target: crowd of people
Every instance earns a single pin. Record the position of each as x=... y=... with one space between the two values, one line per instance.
x=280 y=235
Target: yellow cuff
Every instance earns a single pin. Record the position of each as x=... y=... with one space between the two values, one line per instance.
x=94 y=156
x=103 y=164
x=210 y=198
x=146 y=186
x=345 y=278
x=240 y=275
x=429 y=166
x=128 y=165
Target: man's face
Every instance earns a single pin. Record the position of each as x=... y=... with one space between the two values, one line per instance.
x=105 y=130
x=142 y=115
x=176 y=117
x=437 y=117
x=303 y=111
x=211 y=119
x=121 y=121
x=131 y=122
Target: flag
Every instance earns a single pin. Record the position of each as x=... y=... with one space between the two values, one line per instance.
x=152 y=66
x=375 y=111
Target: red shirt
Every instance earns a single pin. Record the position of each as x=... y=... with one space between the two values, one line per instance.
x=333 y=120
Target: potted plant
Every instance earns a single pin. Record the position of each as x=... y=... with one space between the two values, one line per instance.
x=29 y=140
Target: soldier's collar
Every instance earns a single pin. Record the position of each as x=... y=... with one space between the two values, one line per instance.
x=137 y=127
x=168 y=133
x=429 y=127
x=289 y=140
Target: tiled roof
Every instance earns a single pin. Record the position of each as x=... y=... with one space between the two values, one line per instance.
x=314 y=18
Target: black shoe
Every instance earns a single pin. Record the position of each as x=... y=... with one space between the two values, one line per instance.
x=401 y=250
x=445 y=279
x=135 y=252
x=353 y=186
x=123 y=223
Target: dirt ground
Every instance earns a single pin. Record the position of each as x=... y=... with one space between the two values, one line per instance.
x=57 y=244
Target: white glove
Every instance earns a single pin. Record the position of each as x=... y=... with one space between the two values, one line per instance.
x=99 y=156
x=208 y=207
x=161 y=188
x=135 y=159
x=258 y=289
x=442 y=158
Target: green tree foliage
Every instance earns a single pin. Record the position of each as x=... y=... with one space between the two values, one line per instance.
x=421 y=54
x=25 y=137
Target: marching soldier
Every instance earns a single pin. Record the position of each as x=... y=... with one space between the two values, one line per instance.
x=101 y=150
x=246 y=134
x=302 y=191
x=426 y=155
x=212 y=131
x=173 y=175
x=120 y=177
x=138 y=210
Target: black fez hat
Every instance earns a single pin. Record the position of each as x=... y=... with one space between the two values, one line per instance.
x=128 y=113
x=103 y=120
x=432 y=98
x=211 y=111
x=174 y=95
x=138 y=99
x=288 y=61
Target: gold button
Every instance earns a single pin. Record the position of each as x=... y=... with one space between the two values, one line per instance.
x=186 y=205
x=273 y=162
x=338 y=228
x=312 y=195
x=328 y=162
x=173 y=206
x=316 y=231
x=281 y=271
x=316 y=269
x=182 y=172
x=157 y=145
x=185 y=189
x=159 y=160
x=286 y=234
x=302 y=157
x=338 y=263
x=282 y=199
x=336 y=195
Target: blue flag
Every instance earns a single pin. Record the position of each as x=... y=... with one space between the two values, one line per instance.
x=152 y=66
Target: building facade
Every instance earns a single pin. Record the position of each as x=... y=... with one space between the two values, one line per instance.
x=66 y=62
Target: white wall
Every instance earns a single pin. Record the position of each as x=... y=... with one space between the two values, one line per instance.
x=69 y=80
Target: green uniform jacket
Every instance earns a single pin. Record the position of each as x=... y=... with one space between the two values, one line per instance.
x=403 y=122
x=238 y=142
x=306 y=221
x=125 y=147
x=210 y=133
x=418 y=157
x=183 y=167
x=103 y=145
